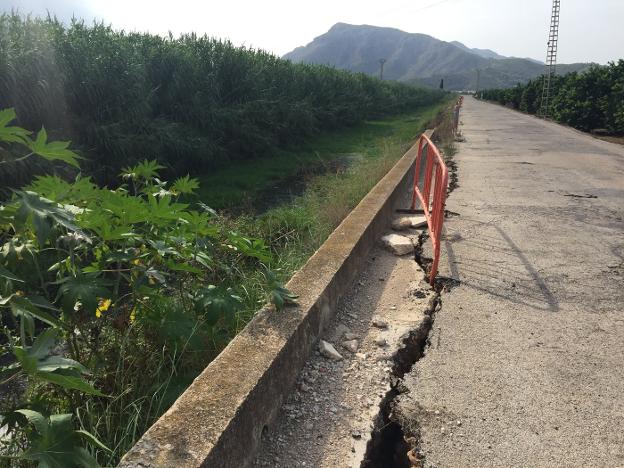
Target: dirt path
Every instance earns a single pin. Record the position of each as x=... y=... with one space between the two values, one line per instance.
x=525 y=367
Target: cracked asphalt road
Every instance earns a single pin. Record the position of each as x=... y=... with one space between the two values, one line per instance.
x=526 y=360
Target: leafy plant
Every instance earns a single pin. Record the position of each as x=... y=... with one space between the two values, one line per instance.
x=53 y=442
x=96 y=286
x=40 y=146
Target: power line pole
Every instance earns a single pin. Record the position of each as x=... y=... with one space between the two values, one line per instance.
x=381 y=65
x=551 y=59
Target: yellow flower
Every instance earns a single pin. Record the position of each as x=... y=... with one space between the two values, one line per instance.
x=133 y=314
x=136 y=261
x=103 y=306
x=19 y=293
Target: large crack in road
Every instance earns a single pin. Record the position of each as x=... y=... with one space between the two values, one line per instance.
x=341 y=413
x=523 y=364
x=392 y=445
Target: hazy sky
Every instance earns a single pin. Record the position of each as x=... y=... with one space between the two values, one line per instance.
x=590 y=31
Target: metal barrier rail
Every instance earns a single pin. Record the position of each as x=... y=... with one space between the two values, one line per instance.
x=430 y=167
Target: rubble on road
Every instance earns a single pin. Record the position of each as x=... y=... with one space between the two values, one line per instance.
x=397 y=244
x=327 y=349
x=406 y=222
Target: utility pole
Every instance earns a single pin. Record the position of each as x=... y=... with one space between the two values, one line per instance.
x=551 y=59
x=478 y=80
x=381 y=65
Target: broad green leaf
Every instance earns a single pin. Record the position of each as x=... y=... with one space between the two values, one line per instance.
x=217 y=304
x=44 y=214
x=204 y=259
x=23 y=305
x=56 y=444
x=27 y=326
x=54 y=363
x=43 y=344
x=279 y=295
x=53 y=150
x=69 y=381
x=83 y=288
x=185 y=185
x=7 y=299
x=61 y=422
x=249 y=247
x=7 y=116
x=11 y=134
x=162 y=211
x=82 y=457
x=40 y=422
x=144 y=170
x=4 y=273
x=54 y=188
x=155 y=275
x=27 y=361
x=207 y=209
x=42 y=302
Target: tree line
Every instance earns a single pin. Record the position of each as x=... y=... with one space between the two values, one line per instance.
x=591 y=100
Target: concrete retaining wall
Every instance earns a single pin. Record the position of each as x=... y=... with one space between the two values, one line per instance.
x=219 y=419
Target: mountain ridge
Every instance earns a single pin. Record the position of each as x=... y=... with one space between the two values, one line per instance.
x=416 y=58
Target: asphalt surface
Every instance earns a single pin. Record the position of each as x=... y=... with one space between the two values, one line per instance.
x=525 y=366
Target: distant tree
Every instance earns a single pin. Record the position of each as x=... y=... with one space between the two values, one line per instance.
x=590 y=100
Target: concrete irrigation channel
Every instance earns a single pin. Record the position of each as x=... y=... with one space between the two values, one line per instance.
x=235 y=405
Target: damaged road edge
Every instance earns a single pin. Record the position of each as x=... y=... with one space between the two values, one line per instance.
x=392 y=445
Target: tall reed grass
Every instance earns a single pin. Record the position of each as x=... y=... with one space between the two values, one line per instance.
x=192 y=102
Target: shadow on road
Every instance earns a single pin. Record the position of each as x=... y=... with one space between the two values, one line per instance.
x=496 y=265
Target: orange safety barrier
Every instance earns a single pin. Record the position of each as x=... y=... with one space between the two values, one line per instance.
x=432 y=174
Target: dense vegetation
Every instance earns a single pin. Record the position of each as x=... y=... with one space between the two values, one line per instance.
x=590 y=100
x=117 y=287
x=192 y=103
x=111 y=301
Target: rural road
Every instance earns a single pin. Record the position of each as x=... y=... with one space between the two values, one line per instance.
x=525 y=366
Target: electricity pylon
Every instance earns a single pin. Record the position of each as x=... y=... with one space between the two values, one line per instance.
x=551 y=59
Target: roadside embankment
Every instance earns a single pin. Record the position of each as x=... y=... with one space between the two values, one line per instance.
x=220 y=418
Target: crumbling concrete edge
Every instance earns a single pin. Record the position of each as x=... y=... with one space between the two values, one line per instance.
x=220 y=418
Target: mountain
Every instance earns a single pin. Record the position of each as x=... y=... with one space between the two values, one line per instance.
x=502 y=73
x=417 y=58
x=485 y=53
x=408 y=56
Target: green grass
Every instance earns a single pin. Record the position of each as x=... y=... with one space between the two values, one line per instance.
x=296 y=229
x=240 y=183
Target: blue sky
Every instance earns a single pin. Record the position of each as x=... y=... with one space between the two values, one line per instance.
x=590 y=30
